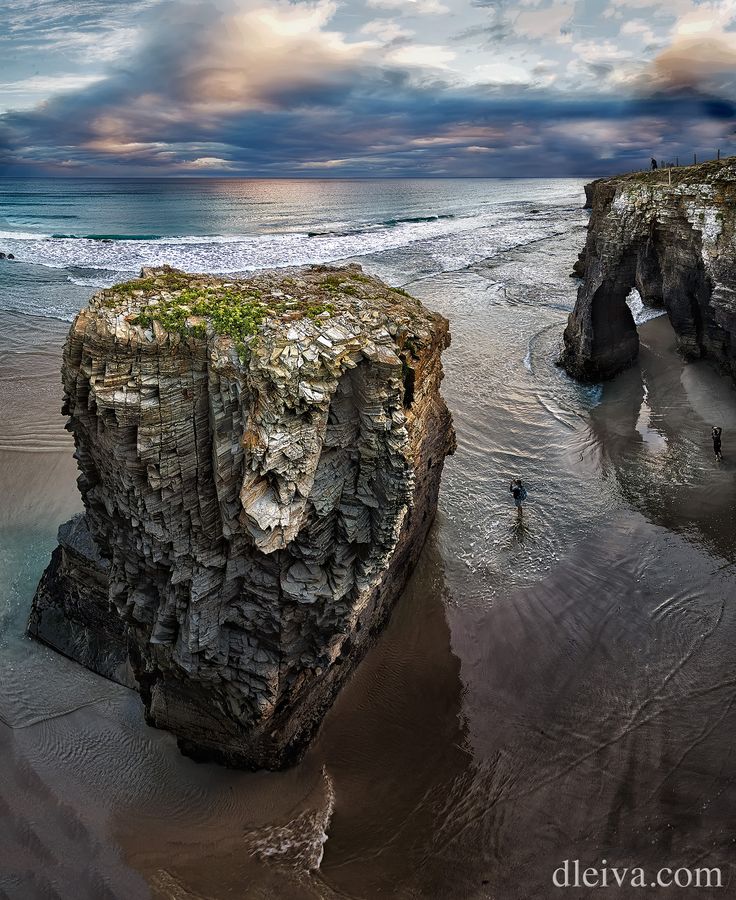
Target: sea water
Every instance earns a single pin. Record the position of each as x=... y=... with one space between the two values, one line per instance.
x=553 y=686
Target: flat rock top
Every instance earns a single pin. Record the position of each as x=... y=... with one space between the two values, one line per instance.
x=320 y=311
x=721 y=172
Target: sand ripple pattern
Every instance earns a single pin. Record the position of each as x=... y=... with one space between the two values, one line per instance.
x=30 y=385
x=561 y=688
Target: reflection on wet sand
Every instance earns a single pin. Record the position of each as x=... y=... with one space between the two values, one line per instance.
x=557 y=688
x=364 y=796
x=599 y=706
x=667 y=467
x=599 y=700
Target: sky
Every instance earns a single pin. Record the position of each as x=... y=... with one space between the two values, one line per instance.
x=376 y=88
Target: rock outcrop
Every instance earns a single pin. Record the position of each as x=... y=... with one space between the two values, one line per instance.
x=260 y=461
x=71 y=611
x=671 y=234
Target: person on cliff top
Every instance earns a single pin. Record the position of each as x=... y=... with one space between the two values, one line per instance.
x=654 y=164
x=518 y=492
x=716 y=435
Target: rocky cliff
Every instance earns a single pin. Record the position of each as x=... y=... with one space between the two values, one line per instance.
x=670 y=234
x=260 y=461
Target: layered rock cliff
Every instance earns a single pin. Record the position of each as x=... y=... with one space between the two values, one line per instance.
x=260 y=462
x=670 y=234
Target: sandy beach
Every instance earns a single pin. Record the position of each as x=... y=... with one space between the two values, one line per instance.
x=565 y=693
x=330 y=282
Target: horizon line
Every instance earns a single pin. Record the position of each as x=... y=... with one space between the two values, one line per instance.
x=307 y=177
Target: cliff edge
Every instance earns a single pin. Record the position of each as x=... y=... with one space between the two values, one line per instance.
x=260 y=461
x=671 y=234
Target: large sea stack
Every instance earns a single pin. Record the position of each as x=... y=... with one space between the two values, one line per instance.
x=672 y=235
x=260 y=460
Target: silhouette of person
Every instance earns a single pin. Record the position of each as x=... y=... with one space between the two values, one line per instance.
x=518 y=492
x=716 y=433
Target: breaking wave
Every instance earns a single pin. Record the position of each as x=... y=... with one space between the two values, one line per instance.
x=441 y=243
x=107 y=237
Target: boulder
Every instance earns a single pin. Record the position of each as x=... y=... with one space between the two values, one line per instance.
x=260 y=462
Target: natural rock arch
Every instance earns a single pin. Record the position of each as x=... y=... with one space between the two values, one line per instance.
x=675 y=244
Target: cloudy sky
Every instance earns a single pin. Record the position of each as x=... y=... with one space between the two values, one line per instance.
x=369 y=88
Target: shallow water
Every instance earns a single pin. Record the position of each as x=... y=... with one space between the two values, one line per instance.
x=559 y=687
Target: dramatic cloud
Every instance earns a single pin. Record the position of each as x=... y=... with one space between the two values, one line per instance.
x=271 y=87
x=698 y=63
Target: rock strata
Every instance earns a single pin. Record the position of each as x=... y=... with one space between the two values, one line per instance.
x=670 y=234
x=71 y=610
x=260 y=461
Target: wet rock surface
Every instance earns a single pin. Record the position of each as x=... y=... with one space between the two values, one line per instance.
x=670 y=234
x=260 y=460
x=71 y=610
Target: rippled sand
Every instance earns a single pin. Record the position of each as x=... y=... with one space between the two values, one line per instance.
x=557 y=688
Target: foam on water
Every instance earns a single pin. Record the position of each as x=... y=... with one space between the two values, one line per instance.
x=534 y=673
x=94 y=282
x=300 y=843
x=454 y=243
x=640 y=311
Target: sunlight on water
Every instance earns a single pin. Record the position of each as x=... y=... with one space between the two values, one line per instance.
x=547 y=683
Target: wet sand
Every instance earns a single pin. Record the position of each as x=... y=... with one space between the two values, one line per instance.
x=560 y=689
x=37 y=471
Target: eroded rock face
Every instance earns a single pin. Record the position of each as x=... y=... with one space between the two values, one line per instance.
x=257 y=500
x=672 y=235
x=71 y=609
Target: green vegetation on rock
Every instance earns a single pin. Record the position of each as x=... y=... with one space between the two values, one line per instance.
x=176 y=301
x=244 y=309
x=230 y=311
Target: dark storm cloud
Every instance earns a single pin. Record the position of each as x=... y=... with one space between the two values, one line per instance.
x=271 y=90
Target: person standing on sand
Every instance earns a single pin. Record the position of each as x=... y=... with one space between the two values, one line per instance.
x=654 y=164
x=518 y=492
x=716 y=435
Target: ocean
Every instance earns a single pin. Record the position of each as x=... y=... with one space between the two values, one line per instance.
x=74 y=236
x=553 y=688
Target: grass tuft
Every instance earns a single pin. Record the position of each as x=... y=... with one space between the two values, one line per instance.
x=235 y=310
